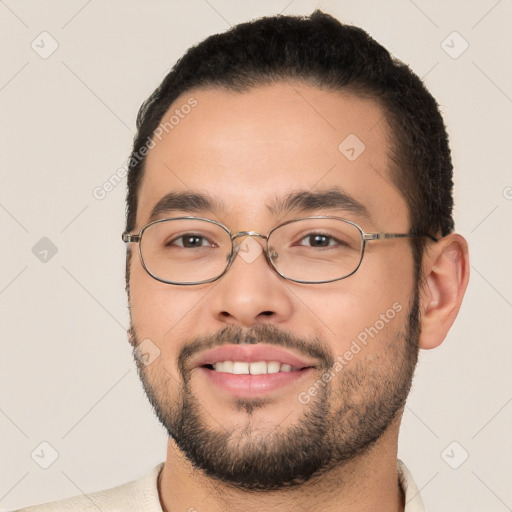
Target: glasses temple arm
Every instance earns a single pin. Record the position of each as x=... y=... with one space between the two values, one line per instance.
x=127 y=237
x=382 y=236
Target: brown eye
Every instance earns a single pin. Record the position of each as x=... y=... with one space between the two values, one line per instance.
x=190 y=241
x=319 y=240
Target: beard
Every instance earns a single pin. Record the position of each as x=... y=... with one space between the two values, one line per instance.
x=341 y=422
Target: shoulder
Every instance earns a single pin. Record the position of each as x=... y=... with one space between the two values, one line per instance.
x=138 y=495
x=413 y=501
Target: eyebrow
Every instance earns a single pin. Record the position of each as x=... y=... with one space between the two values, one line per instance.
x=306 y=201
x=294 y=202
x=193 y=202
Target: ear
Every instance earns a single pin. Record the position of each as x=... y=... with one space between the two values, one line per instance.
x=445 y=278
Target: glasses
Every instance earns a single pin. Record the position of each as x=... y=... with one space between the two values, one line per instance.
x=310 y=250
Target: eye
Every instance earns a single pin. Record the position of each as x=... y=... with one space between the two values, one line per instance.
x=190 y=241
x=319 y=240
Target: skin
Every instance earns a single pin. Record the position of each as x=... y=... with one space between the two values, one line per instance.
x=248 y=149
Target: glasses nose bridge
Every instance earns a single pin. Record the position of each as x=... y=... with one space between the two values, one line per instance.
x=247 y=233
x=237 y=246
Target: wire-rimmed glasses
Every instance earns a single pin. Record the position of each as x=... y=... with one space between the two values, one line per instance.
x=310 y=250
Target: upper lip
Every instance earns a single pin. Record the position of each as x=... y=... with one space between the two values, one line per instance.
x=250 y=354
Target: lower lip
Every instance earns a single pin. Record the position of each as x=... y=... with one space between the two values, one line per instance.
x=250 y=386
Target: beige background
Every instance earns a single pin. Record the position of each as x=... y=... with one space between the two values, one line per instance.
x=66 y=126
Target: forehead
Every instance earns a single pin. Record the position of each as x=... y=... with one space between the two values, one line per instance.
x=251 y=151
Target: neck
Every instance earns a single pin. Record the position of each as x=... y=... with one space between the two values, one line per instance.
x=369 y=482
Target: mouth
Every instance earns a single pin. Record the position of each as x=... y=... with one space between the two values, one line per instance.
x=253 y=368
x=251 y=360
x=249 y=371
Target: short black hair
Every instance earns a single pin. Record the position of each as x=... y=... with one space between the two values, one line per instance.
x=320 y=51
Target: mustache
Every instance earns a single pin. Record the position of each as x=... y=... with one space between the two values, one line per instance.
x=265 y=333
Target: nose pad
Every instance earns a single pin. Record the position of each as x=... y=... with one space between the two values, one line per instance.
x=272 y=255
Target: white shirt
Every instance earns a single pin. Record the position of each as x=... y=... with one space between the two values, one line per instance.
x=142 y=496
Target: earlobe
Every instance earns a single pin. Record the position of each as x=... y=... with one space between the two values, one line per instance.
x=445 y=279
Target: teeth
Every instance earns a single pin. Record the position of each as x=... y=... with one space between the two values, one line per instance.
x=258 y=368
x=255 y=368
x=240 y=368
x=273 y=366
x=227 y=366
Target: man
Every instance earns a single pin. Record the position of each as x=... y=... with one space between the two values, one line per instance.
x=290 y=248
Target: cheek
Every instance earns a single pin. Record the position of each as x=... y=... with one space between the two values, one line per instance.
x=155 y=313
x=387 y=271
x=369 y=305
x=167 y=315
x=343 y=317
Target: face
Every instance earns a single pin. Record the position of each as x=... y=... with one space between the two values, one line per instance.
x=352 y=343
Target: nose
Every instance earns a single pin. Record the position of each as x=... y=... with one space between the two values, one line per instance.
x=251 y=292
